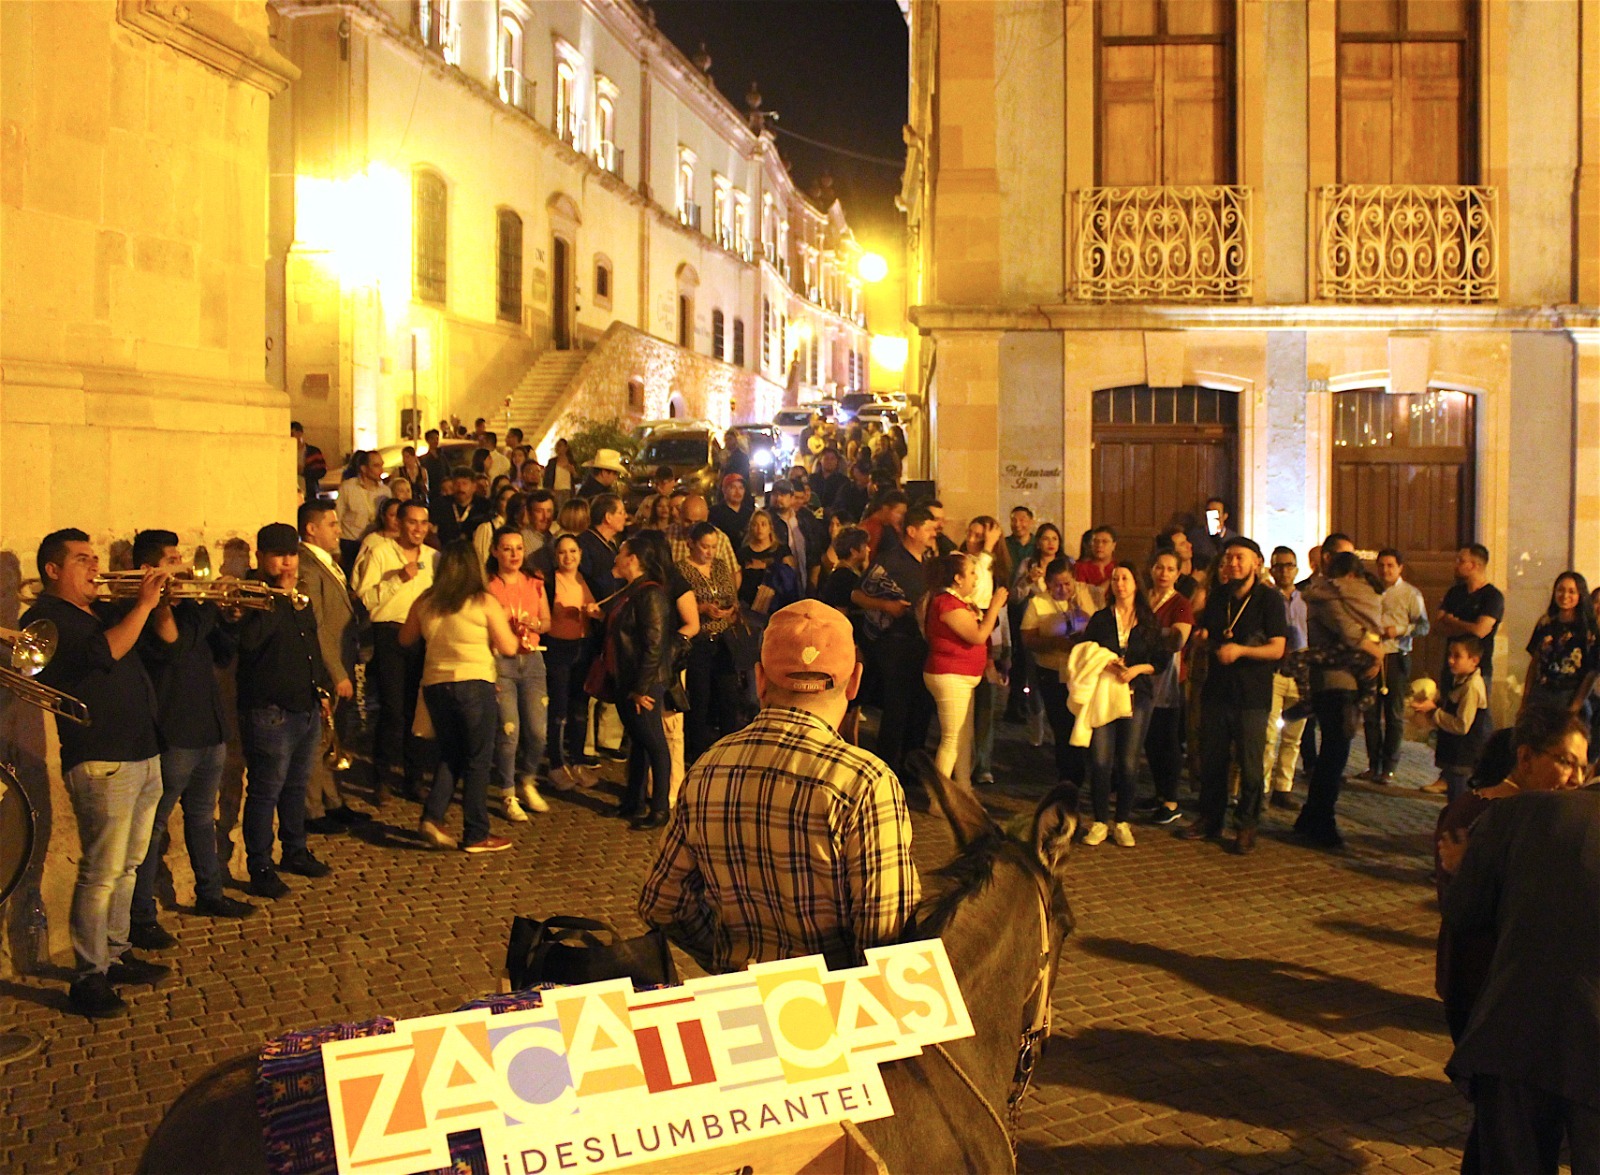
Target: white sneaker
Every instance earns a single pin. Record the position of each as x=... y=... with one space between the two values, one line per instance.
x=435 y=835
x=1096 y=834
x=512 y=810
x=528 y=792
x=1122 y=834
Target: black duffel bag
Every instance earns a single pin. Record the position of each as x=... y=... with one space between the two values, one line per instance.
x=569 y=950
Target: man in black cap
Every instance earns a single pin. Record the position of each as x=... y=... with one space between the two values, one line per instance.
x=1245 y=627
x=280 y=716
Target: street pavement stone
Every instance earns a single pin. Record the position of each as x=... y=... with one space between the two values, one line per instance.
x=1273 y=1012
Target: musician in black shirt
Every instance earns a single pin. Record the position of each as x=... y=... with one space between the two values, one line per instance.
x=194 y=748
x=112 y=767
x=280 y=717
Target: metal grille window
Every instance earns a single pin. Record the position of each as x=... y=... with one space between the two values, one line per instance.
x=719 y=333
x=429 y=209
x=508 y=276
x=1186 y=405
x=738 y=341
x=766 y=333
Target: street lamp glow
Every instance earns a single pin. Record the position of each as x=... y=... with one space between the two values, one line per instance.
x=889 y=352
x=872 y=267
x=362 y=227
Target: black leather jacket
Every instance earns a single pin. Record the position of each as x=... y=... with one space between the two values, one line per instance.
x=639 y=633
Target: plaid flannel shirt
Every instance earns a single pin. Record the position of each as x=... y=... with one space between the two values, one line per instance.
x=786 y=841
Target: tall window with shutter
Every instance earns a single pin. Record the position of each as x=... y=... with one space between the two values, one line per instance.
x=508 y=267
x=429 y=230
x=1166 y=92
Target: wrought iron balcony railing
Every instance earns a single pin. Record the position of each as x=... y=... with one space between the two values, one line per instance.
x=609 y=156
x=1159 y=244
x=516 y=90
x=1407 y=243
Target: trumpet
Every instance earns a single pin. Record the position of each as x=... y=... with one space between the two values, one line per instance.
x=31 y=650
x=333 y=752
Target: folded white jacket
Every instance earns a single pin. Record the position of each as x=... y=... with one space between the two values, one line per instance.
x=1093 y=694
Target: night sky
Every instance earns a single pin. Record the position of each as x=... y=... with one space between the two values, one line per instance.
x=836 y=72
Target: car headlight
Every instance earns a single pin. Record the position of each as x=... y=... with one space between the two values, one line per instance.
x=762 y=459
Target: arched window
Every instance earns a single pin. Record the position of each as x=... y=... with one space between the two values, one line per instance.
x=566 y=112
x=688 y=285
x=429 y=229
x=508 y=269
x=513 y=86
x=602 y=282
x=738 y=342
x=719 y=332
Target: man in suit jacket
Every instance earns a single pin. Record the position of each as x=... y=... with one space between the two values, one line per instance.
x=338 y=634
x=1531 y=1051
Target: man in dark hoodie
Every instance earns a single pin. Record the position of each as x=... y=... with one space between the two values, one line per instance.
x=1342 y=612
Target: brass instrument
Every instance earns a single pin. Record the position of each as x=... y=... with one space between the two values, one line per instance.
x=31 y=650
x=333 y=753
x=192 y=581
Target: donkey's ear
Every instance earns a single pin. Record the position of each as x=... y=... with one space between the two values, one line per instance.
x=960 y=806
x=1055 y=821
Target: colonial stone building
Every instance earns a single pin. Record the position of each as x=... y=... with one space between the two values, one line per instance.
x=1337 y=261
x=473 y=199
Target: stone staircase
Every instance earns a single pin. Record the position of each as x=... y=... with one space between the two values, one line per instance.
x=534 y=399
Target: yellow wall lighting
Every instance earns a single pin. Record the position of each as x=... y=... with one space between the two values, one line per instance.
x=872 y=267
x=889 y=352
x=361 y=225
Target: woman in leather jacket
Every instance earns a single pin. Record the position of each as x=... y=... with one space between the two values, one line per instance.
x=639 y=650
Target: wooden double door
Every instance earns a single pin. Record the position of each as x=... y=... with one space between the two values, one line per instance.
x=1159 y=453
x=1403 y=478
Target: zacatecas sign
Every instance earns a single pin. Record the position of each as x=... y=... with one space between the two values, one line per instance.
x=602 y=1076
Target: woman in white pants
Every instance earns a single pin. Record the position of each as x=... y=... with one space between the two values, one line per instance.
x=958 y=642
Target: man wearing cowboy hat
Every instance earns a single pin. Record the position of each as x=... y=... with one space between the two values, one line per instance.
x=604 y=470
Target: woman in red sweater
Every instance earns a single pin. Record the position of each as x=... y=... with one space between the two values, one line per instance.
x=958 y=640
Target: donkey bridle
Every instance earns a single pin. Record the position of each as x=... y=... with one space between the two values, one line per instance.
x=1028 y=1046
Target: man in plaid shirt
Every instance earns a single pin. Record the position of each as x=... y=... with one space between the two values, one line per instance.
x=787 y=840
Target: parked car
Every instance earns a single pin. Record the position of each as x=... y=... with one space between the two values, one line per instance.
x=852 y=402
x=788 y=424
x=883 y=414
x=763 y=442
x=692 y=453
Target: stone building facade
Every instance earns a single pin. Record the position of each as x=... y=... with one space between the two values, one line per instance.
x=1337 y=261
x=483 y=185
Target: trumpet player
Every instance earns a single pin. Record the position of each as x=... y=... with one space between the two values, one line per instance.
x=111 y=768
x=193 y=732
x=323 y=582
x=280 y=670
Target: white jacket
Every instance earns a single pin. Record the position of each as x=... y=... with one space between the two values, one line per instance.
x=1093 y=694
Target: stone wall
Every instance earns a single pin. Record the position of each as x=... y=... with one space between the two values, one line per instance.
x=133 y=173
x=710 y=390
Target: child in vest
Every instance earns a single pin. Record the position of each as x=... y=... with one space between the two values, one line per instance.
x=1462 y=717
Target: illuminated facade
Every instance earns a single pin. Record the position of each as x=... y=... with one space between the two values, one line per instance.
x=468 y=195
x=1337 y=261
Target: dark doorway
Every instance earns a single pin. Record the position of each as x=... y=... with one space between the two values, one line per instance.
x=560 y=294
x=1160 y=452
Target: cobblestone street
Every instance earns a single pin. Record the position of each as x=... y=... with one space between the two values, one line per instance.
x=1266 y=1013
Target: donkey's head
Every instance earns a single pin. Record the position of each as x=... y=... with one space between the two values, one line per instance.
x=1026 y=859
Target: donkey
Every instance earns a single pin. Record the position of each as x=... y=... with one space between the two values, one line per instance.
x=1002 y=912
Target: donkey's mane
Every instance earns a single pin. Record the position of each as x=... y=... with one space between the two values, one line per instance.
x=966 y=876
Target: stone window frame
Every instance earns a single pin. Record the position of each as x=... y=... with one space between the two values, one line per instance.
x=719 y=333
x=604 y=274
x=508 y=288
x=430 y=235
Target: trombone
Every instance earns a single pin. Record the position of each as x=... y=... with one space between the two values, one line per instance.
x=193 y=581
x=31 y=650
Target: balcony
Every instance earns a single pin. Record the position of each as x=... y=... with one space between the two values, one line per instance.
x=1162 y=244
x=569 y=129
x=516 y=90
x=1408 y=243
x=609 y=156
x=689 y=215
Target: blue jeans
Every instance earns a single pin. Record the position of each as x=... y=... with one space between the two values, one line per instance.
x=521 y=693
x=649 y=759
x=464 y=719
x=194 y=776
x=115 y=804
x=1114 y=755
x=279 y=746
x=565 y=665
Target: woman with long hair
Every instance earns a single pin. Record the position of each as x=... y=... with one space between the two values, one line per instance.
x=654 y=513
x=1564 y=650
x=760 y=551
x=635 y=674
x=958 y=642
x=1051 y=627
x=562 y=475
x=1029 y=580
x=1128 y=627
x=464 y=627
x=507 y=510
x=412 y=469
x=1163 y=742
x=520 y=687
x=572 y=609
x=713 y=679
x=991 y=565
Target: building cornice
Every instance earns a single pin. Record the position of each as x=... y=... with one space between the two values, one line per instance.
x=208 y=35
x=1084 y=316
